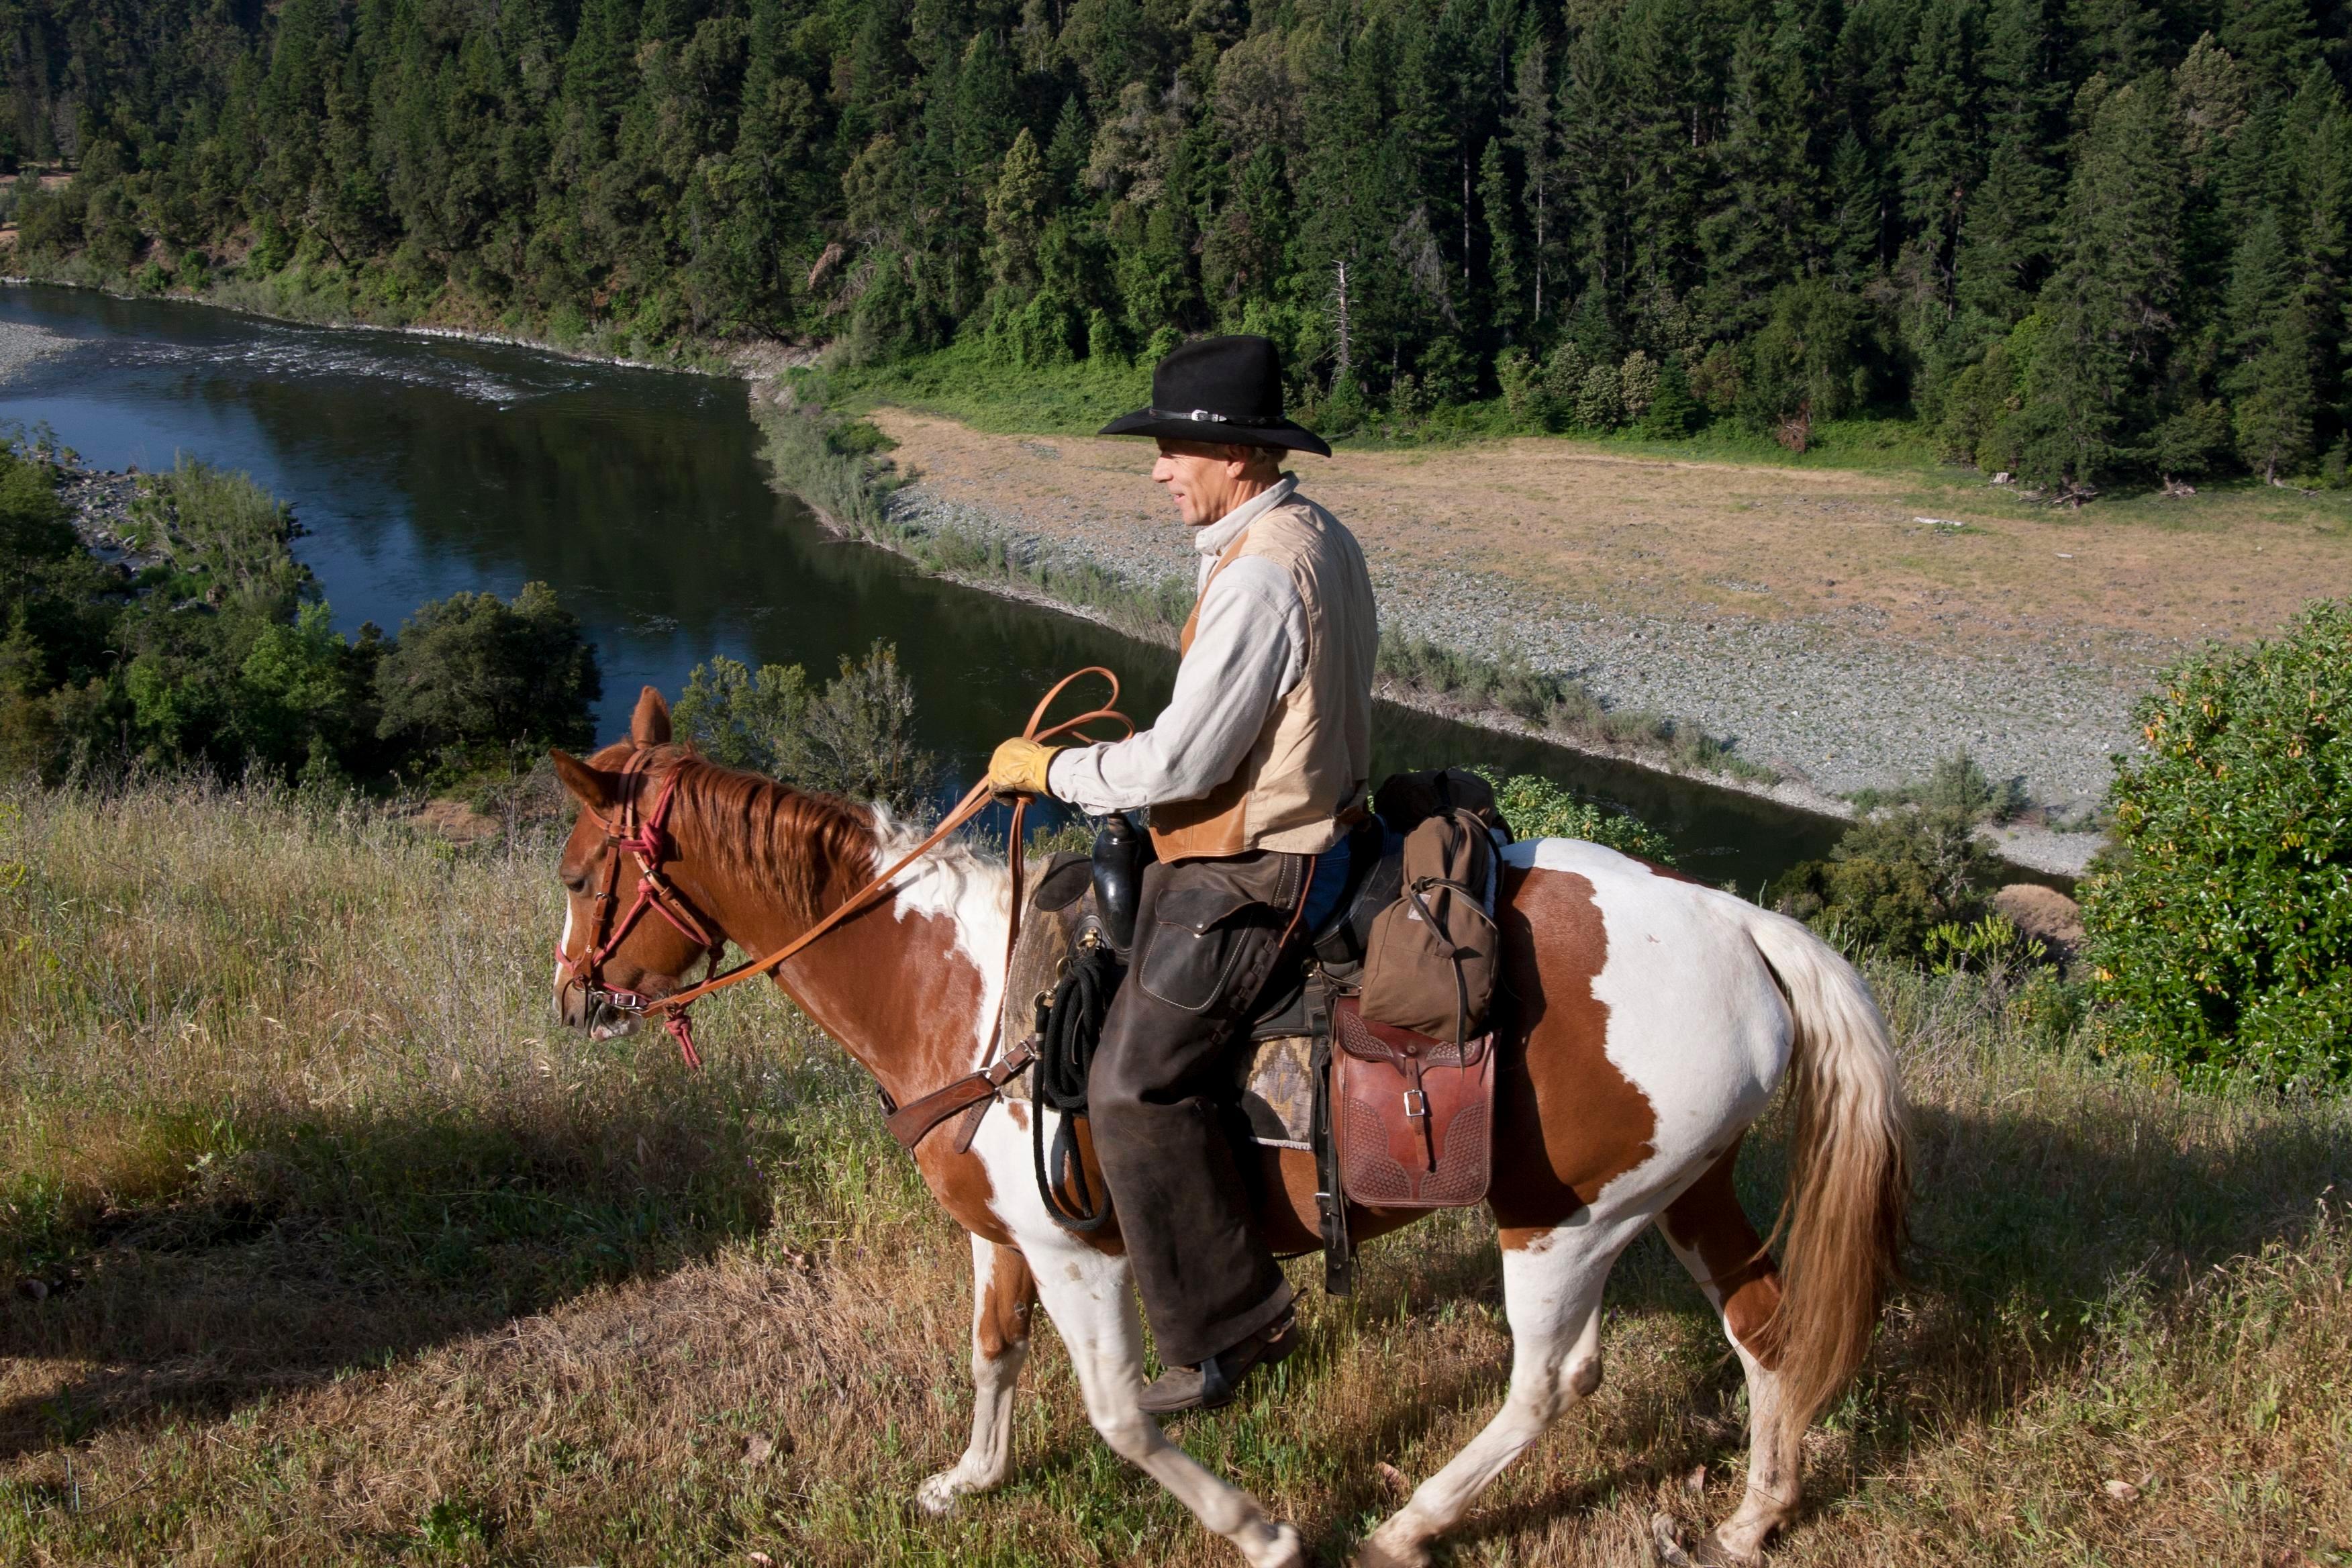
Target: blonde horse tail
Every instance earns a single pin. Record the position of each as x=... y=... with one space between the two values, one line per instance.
x=1849 y=1177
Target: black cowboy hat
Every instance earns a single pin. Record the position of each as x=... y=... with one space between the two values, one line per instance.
x=1220 y=389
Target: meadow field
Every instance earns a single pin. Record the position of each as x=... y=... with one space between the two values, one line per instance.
x=322 y=1245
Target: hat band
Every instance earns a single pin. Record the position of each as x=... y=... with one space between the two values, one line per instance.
x=1204 y=417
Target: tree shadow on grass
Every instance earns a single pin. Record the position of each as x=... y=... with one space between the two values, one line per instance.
x=322 y=1245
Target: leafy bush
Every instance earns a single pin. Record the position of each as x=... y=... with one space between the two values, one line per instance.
x=1992 y=942
x=1809 y=360
x=473 y=672
x=2219 y=930
x=1958 y=784
x=856 y=738
x=1895 y=878
x=1537 y=808
x=218 y=652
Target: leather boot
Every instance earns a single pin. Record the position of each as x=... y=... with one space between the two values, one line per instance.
x=1215 y=1382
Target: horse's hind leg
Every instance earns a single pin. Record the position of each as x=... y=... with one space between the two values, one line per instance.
x=1551 y=1295
x=1710 y=1233
x=1002 y=1292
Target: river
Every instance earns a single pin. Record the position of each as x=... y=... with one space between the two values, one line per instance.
x=422 y=465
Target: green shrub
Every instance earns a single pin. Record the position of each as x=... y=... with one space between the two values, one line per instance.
x=1894 y=880
x=2219 y=930
x=473 y=673
x=856 y=738
x=1957 y=784
x=1992 y=942
x=1537 y=808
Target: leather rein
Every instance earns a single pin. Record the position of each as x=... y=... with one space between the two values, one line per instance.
x=647 y=840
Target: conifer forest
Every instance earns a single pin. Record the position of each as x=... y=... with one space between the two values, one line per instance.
x=2093 y=243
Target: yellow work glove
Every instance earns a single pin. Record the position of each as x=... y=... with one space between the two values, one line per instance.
x=1019 y=767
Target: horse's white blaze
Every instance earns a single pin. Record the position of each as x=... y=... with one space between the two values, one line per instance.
x=563 y=944
x=974 y=893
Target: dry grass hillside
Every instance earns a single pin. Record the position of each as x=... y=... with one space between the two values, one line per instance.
x=325 y=1249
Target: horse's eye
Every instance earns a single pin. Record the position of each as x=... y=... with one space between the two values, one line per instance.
x=575 y=880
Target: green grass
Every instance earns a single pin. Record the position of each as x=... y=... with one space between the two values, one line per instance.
x=966 y=382
x=349 y=1257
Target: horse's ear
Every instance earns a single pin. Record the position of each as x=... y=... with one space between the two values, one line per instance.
x=649 y=725
x=592 y=788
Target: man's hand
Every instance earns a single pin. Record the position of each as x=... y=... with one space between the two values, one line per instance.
x=1019 y=767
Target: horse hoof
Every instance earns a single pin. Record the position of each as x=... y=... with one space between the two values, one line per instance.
x=1666 y=1543
x=938 y=1495
x=1388 y=1549
x=1280 y=1548
x=1666 y=1546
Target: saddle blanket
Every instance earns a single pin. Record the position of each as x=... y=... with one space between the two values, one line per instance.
x=1277 y=1091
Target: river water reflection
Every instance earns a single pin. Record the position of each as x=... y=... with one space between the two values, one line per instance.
x=421 y=466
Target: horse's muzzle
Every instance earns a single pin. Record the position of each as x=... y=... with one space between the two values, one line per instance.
x=579 y=1007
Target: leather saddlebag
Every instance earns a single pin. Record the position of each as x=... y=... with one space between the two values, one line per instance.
x=1430 y=964
x=1412 y=1118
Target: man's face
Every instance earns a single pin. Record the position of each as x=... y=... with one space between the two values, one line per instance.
x=1207 y=480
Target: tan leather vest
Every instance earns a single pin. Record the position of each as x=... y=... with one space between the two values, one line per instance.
x=1303 y=780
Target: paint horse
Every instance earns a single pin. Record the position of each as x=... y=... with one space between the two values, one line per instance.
x=1652 y=1020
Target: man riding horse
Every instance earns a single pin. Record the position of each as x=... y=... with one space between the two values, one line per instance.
x=1253 y=774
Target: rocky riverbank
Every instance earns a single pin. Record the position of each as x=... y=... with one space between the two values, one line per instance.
x=20 y=346
x=1876 y=716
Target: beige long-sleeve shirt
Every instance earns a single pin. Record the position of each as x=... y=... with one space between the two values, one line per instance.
x=1249 y=648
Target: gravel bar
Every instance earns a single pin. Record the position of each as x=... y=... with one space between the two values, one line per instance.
x=1834 y=710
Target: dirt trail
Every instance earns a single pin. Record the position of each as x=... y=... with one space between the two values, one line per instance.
x=1848 y=627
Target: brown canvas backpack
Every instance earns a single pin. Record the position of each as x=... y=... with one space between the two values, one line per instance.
x=1430 y=964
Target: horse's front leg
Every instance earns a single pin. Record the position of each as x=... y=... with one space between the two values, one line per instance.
x=1090 y=1297
x=1002 y=1292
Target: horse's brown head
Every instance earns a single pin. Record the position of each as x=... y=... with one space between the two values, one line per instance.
x=630 y=934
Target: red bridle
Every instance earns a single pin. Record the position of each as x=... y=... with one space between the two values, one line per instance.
x=648 y=841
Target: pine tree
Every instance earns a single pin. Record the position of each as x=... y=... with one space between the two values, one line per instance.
x=1532 y=129
x=2109 y=308
x=1935 y=145
x=1015 y=209
x=1763 y=232
x=2273 y=37
x=986 y=107
x=2269 y=347
x=1502 y=240
x=1066 y=155
x=1858 y=218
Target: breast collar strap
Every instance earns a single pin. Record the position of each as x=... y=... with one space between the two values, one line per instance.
x=646 y=840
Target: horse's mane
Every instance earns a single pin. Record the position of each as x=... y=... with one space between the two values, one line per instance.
x=786 y=841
